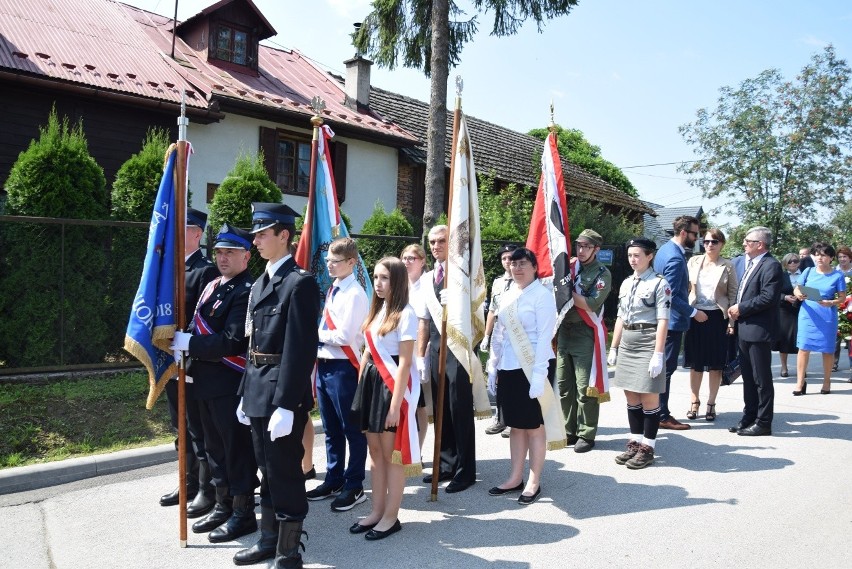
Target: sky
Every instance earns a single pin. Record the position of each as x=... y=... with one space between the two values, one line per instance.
x=626 y=73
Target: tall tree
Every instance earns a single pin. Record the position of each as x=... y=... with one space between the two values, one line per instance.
x=779 y=150
x=430 y=35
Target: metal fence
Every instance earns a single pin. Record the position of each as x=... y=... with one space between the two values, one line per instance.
x=66 y=287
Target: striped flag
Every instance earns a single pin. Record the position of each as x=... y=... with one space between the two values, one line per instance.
x=549 y=236
x=323 y=223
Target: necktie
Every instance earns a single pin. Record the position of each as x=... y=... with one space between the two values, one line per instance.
x=439 y=274
x=630 y=298
x=745 y=276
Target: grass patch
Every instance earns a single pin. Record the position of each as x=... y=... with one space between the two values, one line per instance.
x=53 y=421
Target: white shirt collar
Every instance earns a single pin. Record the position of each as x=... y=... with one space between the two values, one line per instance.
x=272 y=268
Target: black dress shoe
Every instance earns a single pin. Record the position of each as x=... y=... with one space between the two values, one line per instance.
x=172 y=498
x=311 y=474
x=572 y=439
x=374 y=534
x=497 y=491
x=443 y=477
x=220 y=514
x=360 y=528
x=456 y=486
x=739 y=427
x=527 y=500
x=755 y=431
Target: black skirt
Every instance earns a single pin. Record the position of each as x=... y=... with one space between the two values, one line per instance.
x=788 y=327
x=706 y=343
x=513 y=399
x=372 y=401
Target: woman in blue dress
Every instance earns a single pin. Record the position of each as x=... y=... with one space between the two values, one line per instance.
x=818 y=316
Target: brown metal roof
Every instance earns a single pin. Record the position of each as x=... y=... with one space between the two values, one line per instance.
x=112 y=46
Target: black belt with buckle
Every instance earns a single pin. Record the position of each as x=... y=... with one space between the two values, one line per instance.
x=259 y=359
x=640 y=326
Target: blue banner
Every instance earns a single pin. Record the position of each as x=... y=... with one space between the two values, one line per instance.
x=152 y=316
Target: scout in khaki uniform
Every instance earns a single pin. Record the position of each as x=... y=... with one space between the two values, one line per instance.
x=577 y=351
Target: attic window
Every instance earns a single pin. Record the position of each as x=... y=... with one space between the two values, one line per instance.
x=233 y=45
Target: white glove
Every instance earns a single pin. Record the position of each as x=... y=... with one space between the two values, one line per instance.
x=492 y=384
x=181 y=341
x=536 y=387
x=483 y=347
x=420 y=364
x=280 y=423
x=613 y=354
x=443 y=295
x=241 y=417
x=656 y=364
x=178 y=356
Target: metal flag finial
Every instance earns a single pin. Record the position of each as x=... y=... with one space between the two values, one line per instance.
x=318 y=106
x=459 y=85
x=552 y=125
x=182 y=120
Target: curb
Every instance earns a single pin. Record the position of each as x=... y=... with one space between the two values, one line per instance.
x=35 y=476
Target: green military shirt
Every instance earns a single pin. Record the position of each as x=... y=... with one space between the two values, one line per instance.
x=595 y=283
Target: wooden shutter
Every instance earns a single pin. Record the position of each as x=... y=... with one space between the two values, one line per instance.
x=338 y=163
x=269 y=146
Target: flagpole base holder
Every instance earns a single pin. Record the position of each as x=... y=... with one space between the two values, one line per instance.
x=183 y=544
x=433 y=497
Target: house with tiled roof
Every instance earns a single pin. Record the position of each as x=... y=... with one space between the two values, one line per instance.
x=508 y=155
x=660 y=228
x=122 y=70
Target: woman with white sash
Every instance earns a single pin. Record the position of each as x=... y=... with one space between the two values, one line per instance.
x=414 y=259
x=388 y=390
x=519 y=370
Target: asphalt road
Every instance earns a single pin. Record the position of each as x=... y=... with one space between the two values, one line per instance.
x=711 y=499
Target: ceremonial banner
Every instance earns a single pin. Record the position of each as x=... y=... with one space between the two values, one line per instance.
x=152 y=317
x=466 y=287
x=323 y=223
x=549 y=237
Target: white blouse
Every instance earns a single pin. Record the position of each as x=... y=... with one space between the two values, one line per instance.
x=406 y=330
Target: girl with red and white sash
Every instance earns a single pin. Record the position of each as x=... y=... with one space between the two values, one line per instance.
x=388 y=390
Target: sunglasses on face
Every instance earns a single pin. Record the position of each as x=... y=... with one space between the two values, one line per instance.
x=792 y=262
x=711 y=241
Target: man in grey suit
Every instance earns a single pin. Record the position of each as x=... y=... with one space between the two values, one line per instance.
x=756 y=317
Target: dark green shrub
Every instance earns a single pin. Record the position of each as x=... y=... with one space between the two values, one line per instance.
x=52 y=297
x=382 y=223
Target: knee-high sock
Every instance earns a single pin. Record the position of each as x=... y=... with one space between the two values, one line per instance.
x=651 y=424
x=636 y=420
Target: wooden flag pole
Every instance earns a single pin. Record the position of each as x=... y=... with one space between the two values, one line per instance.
x=180 y=312
x=442 y=352
x=318 y=106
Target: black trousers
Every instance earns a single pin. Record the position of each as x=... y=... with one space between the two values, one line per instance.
x=758 y=389
x=280 y=463
x=194 y=427
x=458 y=438
x=228 y=444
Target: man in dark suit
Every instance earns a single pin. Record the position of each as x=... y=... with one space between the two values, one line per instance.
x=805 y=259
x=458 y=438
x=217 y=348
x=199 y=272
x=756 y=317
x=670 y=262
x=283 y=312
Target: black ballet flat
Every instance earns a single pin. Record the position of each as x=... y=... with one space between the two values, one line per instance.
x=360 y=528
x=527 y=500
x=497 y=491
x=375 y=535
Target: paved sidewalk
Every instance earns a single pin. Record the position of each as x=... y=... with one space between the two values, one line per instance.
x=712 y=498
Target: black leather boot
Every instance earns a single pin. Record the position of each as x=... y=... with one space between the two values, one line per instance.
x=205 y=498
x=242 y=521
x=287 y=554
x=218 y=516
x=171 y=499
x=265 y=547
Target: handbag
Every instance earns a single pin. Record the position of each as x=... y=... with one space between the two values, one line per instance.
x=731 y=371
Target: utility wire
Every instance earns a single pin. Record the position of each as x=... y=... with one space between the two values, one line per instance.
x=660 y=164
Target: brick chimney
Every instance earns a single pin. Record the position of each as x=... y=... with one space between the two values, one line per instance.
x=357 y=84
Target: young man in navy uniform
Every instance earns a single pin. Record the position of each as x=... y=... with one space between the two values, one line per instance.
x=217 y=347
x=281 y=323
x=199 y=272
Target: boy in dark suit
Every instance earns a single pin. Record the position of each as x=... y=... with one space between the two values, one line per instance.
x=283 y=313
x=756 y=316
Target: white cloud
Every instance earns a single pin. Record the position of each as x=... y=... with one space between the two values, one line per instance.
x=811 y=40
x=350 y=8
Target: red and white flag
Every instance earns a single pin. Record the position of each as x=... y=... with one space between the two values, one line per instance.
x=549 y=237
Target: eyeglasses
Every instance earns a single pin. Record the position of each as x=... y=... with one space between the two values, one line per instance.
x=330 y=261
x=793 y=262
x=693 y=233
x=711 y=241
x=410 y=259
x=520 y=264
x=585 y=245
x=751 y=241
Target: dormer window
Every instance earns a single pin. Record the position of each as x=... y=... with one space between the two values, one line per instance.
x=232 y=44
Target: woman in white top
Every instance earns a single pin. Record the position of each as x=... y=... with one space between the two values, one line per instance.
x=526 y=319
x=386 y=397
x=414 y=259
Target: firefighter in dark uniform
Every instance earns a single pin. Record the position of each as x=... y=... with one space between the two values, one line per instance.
x=217 y=347
x=283 y=312
x=199 y=272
